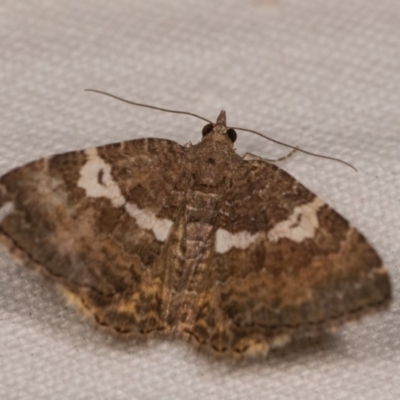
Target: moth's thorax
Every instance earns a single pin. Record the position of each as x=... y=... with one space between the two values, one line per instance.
x=212 y=164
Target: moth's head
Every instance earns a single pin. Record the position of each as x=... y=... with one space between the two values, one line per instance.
x=219 y=132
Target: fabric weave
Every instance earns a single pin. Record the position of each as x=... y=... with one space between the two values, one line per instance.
x=320 y=74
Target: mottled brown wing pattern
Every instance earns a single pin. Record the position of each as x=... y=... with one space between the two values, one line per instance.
x=285 y=265
x=95 y=222
x=147 y=236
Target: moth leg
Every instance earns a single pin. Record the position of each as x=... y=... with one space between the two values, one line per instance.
x=250 y=157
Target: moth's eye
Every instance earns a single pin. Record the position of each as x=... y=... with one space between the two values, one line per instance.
x=231 y=134
x=207 y=129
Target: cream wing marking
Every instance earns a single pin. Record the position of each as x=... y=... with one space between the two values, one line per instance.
x=5 y=210
x=300 y=225
x=147 y=220
x=97 y=181
x=89 y=180
x=224 y=240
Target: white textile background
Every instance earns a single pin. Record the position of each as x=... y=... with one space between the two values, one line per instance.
x=321 y=74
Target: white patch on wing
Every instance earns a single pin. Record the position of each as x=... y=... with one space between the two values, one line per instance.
x=300 y=225
x=95 y=170
x=96 y=179
x=225 y=240
x=147 y=220
x=6 y=210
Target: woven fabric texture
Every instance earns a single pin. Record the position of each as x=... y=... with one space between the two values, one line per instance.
x=321 y=74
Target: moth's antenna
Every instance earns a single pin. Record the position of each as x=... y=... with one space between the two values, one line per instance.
x=239 y=129
x=295 y=147
x=147 y=106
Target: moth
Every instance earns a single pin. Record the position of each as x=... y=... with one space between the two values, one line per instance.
x=150 y=238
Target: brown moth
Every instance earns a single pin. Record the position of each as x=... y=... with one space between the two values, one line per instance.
x=151 y=238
